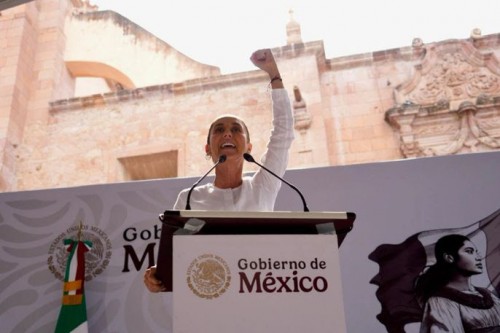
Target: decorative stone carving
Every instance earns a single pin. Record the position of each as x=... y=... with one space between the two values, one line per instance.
x=302 y=122
x=302 y=118
x=451 y=105
x=476 y=33
x=83 y=6
x=417 y=43
x=293 y=34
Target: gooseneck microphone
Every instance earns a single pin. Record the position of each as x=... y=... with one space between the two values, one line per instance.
x=249 y=158
x=222 y=159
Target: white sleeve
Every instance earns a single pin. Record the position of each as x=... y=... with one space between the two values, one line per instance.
x=275 y=157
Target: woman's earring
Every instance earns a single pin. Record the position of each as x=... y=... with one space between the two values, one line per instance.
x=208 y=157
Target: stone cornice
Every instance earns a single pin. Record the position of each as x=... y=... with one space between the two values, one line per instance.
x=189 y=86
x=408 y=53
x=171 y=89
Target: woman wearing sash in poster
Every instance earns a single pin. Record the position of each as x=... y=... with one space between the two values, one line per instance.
x=452 y=303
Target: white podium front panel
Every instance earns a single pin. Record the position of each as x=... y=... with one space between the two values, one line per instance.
x=257 y=283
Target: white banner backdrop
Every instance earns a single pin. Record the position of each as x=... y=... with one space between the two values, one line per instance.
x=392 y=200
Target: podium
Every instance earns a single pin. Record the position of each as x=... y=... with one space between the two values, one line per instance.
x=253 y=271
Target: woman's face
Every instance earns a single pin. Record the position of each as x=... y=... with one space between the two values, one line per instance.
x=229 y=137
x=469 y=259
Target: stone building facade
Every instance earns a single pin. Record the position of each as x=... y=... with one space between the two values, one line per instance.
x=76 y=109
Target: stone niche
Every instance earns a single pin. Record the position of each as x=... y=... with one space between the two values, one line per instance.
x=451 y=105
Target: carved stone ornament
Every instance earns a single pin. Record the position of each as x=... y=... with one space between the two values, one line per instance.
x=302 y=118
x=451 y=105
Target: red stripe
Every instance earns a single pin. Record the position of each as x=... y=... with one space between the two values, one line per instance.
x=80 y=268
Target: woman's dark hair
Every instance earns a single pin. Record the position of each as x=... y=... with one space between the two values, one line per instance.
x=439 y=274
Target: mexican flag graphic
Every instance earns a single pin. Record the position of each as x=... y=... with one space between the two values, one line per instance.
x=73 y=314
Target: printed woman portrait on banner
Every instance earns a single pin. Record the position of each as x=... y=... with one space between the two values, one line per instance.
x=451 y=302
x=404 y=272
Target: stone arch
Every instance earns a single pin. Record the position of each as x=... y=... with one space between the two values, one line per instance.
x=124 y=45
x=99 y=70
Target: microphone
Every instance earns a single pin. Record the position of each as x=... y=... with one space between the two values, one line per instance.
x=249 y=158
x=222 y=159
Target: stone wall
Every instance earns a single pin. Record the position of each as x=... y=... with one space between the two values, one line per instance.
x=354 y=109
x=33 y=73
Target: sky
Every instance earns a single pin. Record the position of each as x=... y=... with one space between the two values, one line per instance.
x=224 y=33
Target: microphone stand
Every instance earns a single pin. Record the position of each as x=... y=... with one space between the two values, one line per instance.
x=249 y=158
x=222 y=159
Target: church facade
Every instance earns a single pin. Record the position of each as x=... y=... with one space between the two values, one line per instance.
x=77 y=110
